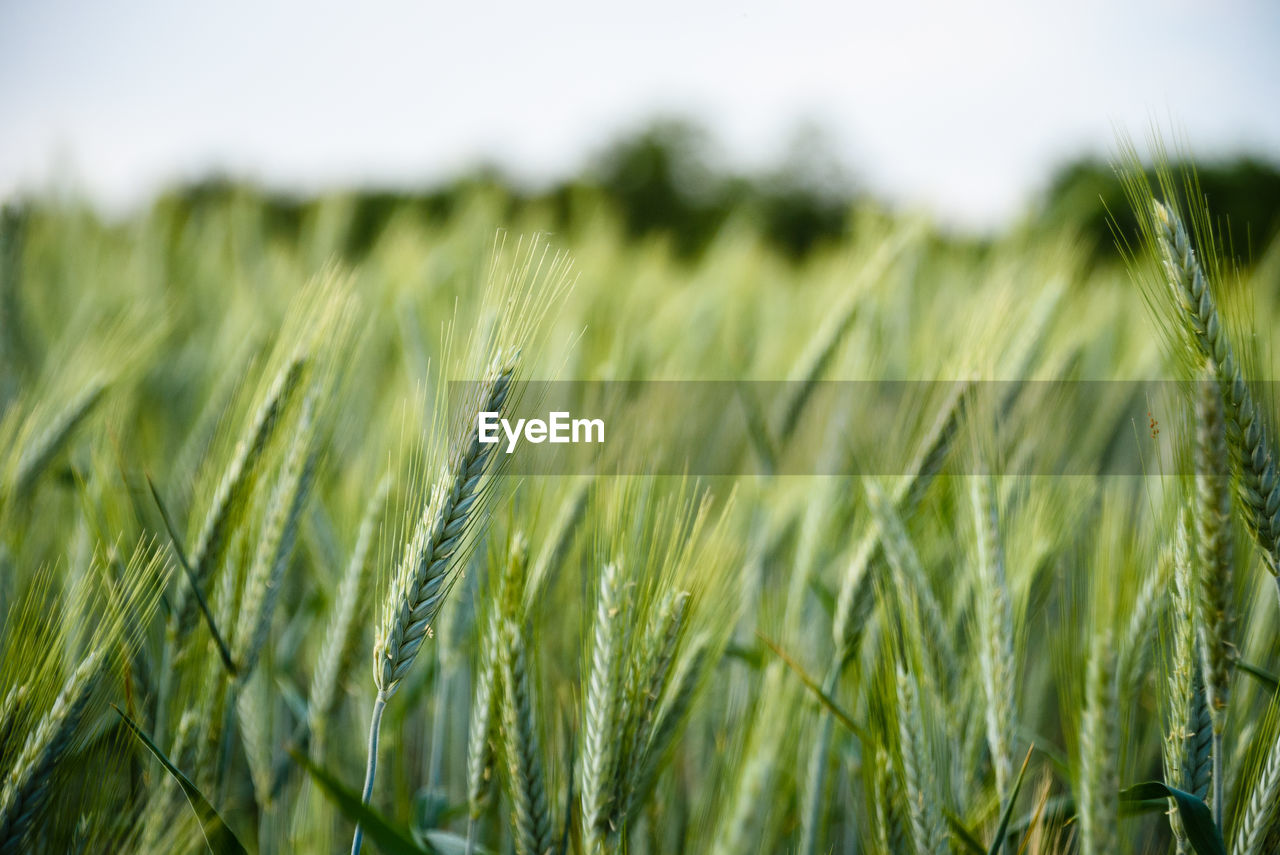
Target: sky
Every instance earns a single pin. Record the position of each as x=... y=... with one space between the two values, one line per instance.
x=961 y=108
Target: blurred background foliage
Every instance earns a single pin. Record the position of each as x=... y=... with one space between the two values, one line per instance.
x=133 y=352
x=664 y=180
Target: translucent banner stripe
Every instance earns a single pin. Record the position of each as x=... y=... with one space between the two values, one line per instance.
x=880 y=427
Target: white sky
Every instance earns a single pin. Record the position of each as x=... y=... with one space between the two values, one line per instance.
x=962 y=107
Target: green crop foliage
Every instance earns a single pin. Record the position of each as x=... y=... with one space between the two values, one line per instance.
x=261 y=590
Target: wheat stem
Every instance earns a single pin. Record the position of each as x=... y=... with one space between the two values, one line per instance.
x=371 y=766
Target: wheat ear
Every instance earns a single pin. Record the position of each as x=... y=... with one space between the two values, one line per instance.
x=523 y=749
x=1099 y=780
x=431 y=557
x=158 y=819
x=521 y=743
x=743 y=825
x=1187 y=744
x=1260 y=809
x=26 y=787
x=1252 y=444
x=854 y=600
x=212 y=542
x=1213 y=542
x=1200 y=739
x=684 y=683
x=480 y=738
x=13 y=701
x=653 y=675
x=603 y=702
x=995 y=618
x=235 y=482
x=822 y=349
x=928 y=831
x=890 y=832
x=854 y=596
x=520 y=738
x=910 y=580
x=1142 y=625
x=558 y=540
x=41 y=451
x=275 y=544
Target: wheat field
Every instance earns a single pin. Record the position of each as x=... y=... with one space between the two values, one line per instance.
x=262 y=590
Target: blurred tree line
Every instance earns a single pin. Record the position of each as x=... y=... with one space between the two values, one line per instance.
x=1243 y=196
x=664 y=180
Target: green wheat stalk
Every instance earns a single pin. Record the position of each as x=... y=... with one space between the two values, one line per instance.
x=1215 y=560
x=431 y=558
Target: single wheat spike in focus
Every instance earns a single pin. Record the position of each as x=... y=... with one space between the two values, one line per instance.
x=1252 y=444
x=431 y=559
x=427 y=569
